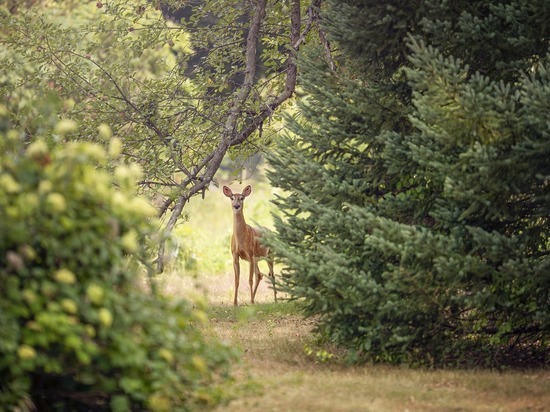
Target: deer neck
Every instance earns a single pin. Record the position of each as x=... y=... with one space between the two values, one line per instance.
x=239 y=225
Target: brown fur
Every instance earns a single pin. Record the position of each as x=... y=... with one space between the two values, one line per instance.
x=246 y=244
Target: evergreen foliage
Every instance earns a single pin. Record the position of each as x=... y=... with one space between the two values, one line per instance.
x=77 y=331
x=416 y=208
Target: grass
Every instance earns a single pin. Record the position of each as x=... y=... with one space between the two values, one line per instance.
x=282 y=366
x=278 y=372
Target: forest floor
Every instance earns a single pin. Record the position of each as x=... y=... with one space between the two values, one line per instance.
x=283 y=369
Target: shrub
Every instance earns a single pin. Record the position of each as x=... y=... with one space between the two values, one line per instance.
x=76 y=330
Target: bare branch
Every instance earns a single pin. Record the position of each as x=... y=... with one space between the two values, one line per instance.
x=213 y=161
x=290 y=82
x=328 y=51
x=312 y=12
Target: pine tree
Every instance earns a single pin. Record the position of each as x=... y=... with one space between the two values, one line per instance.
x=416 y=222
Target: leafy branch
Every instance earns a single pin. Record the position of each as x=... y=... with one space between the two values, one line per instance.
x=179 y=96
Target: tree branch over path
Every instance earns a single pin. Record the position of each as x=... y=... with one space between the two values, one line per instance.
x=230 y=136
x=179 y=88
x=212 y=161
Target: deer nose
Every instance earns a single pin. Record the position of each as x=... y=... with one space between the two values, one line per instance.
x=237 y=207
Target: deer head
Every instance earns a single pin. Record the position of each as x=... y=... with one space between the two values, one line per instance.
x=237 y=199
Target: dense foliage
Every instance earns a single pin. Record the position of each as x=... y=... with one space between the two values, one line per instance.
x=77 y=331
x=417 y=217
x=181 y=83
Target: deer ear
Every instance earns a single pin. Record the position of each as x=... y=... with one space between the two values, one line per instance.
x=227 y=191
x=247 y=190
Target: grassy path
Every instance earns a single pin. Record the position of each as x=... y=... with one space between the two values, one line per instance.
x=277 y=374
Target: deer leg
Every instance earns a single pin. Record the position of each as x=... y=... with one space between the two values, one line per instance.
x=251 y=280
x=237 y=269
x=258 y=276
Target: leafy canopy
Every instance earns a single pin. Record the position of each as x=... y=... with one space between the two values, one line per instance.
x=181 y=83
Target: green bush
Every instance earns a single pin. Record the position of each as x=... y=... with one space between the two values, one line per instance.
x=76 y=329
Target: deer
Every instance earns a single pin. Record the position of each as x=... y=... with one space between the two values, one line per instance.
x=246 y=244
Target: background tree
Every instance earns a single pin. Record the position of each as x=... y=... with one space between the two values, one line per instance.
x=416 y=222
x=125 y=64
